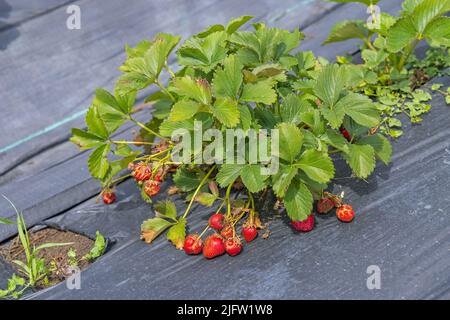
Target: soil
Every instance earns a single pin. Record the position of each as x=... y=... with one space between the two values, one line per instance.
x=12 y=250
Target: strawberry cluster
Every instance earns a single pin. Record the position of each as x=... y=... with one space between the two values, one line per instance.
x=225 y=239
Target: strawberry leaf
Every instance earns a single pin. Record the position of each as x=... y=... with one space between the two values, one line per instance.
x=361 y=109
x=226 y=111
x=298 y=201
x=330 y=83
x=227 y=81
x=85 y=140
x=282 y=179
x=166 y=209
x=261 y=91
x=183 y=110
x=347 y=29
x=292 y=109
x=291 y=140
x=98 y=163
x=236 y=23
x=177 y=233
x=381 y=145
x=187 y=180
x=152 y=228
x=361 y=159
x=203 y=53
x=252 y=178
x=206 y=198
x=228 y=173
x=317 y=165
x=192 y=88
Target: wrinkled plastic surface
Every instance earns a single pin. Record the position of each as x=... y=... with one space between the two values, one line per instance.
x=402 y=226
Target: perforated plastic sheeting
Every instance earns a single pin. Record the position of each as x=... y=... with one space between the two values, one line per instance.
x=402 y=227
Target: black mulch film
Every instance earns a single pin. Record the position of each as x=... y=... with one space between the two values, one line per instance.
x=402 y=226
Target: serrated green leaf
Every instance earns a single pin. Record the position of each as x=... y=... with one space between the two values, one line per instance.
x=292 y=108
x=236 y=23
x=166 y=208
x=184 y=109
x=298 y=201
x=132 y=81
x=85 y=140
x=205 y=198
x=265 y=118
x=187 y=180
x=438 y=31
x=95 y=124
x=282 y=179
x=427 y=11
x=347 y=29
x=261 y=91
x=252 y=178
x=317 y=165
x=152 y=228
x=313 y=120
x=361 y=159
x=226 y=111
x=401 y=34
x=330 y=83
x=167 y=127
x=361 y=109
x=291 y=140
x=228 y=173
x=336 y=140
x=245 y=117
x=156 y=55
x=381 y=145
x=98 y=163
x=209 y=30
x=334 y=114
x=189 y=87
x=177 y=233
x=227 y=81
x=203 y=53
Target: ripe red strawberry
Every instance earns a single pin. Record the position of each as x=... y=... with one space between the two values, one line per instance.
x=108 y=197
x=249 y=232
x=142 y=171
x=193 y=244
x=345 y=213
x=213 y=246
x=233 y=246
x=151 y=188
x=345 y=133
x=305 y=225
x=216 y=221
x=324 y=205
x=157 y=177
x=227 y=231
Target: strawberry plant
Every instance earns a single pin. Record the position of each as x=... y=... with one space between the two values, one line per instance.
x=229 y=79
x=390 y=73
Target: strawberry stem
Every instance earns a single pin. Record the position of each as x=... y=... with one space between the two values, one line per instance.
x=204 y=230
x=197 y=190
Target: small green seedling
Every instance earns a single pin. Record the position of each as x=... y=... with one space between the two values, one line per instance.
x=34 y=270
x=98 y=249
